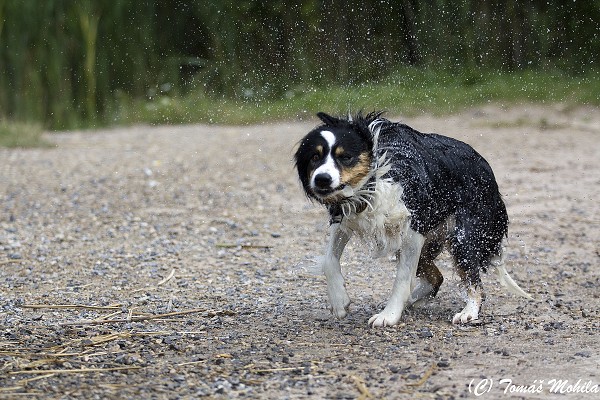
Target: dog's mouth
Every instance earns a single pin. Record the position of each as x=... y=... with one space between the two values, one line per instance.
x=325 y=192
x=333 y=194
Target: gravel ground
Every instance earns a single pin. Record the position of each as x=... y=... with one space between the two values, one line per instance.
x=206 y=227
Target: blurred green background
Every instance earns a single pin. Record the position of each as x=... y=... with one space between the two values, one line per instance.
x=71 y=64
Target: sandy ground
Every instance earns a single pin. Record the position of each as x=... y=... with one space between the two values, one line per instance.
x=208 y=225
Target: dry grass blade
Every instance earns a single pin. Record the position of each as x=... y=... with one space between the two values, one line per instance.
x=74 y=306
x=310 y=344
x=242 y=246
x=260 y=371
x=107 y=316
x=10 y=389
x=362 y=388
x=425 y=376
x=152 y=333
x=192 y=363
x=37 y=378
x=71 y=371
x=96 y=340
x=167 y=279
x=3 y=262
x=37 y=363
x=150 y=317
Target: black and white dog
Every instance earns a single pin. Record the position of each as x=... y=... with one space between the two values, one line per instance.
x=412 y=194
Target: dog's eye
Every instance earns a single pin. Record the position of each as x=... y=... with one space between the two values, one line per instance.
x=345 y=158
x=315 y=158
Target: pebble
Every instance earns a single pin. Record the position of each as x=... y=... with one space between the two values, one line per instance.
x=425 y=333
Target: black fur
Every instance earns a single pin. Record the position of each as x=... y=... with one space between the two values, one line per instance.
x=441 y=177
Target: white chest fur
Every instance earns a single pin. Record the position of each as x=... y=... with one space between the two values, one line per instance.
x=385 y=220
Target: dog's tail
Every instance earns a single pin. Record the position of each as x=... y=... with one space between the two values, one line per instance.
x=497 y=265
x=509 y=284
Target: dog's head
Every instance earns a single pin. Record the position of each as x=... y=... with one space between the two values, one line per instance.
x=336 y=157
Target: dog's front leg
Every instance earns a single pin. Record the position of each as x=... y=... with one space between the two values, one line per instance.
x=336 y=290
x=408 y=259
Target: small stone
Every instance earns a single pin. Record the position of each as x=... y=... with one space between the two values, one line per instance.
x=585 y=313
x=425 y=333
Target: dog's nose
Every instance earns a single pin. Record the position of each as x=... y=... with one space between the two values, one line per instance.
x=323 y=181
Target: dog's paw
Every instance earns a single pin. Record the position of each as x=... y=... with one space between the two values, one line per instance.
x=384 y=319
x=339 y=303
x=469 y=314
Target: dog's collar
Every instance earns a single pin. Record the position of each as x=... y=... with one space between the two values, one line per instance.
x=338 y=211
x=337 y=214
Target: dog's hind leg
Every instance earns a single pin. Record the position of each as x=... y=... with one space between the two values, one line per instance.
x=475 y=297
x=428 y=282
x=468 y=271
x=330 y=263
x=408 y=259
x=429 y=278
x=473 y=243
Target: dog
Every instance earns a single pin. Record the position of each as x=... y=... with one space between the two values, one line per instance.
x=411 y=193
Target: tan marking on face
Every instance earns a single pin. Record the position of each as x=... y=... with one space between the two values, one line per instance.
x=353 y=175
x=339 y=151
x=310 y=170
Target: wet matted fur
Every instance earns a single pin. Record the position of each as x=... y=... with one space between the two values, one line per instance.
x=411 y=193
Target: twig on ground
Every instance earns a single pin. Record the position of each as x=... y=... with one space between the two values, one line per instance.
x=10 y=389
x=162 y=282
x=96 y=340
x=149 y=317
x=362 y=388
x=76 y=306
x=425 y=376
x=3 y=262
x=192 y=363
x=322 y=344
x=167 y=279
x=243 y=246
x=259 y=371
x=107 y=316
x=130 y=313
x=37 y=378
x=71 y=371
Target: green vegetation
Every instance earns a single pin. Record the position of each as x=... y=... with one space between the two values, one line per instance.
x=406 y=91
x=14 y=134
x=66 y=64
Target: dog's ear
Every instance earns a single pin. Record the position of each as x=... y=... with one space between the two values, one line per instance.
x=328 y=119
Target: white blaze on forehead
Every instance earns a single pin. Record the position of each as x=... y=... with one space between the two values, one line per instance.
x=329 y=166
x=329 y=137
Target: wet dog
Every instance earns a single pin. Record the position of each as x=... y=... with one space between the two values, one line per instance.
x=413 y=194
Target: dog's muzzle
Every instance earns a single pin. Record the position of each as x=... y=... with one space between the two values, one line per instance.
x=322 y=186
